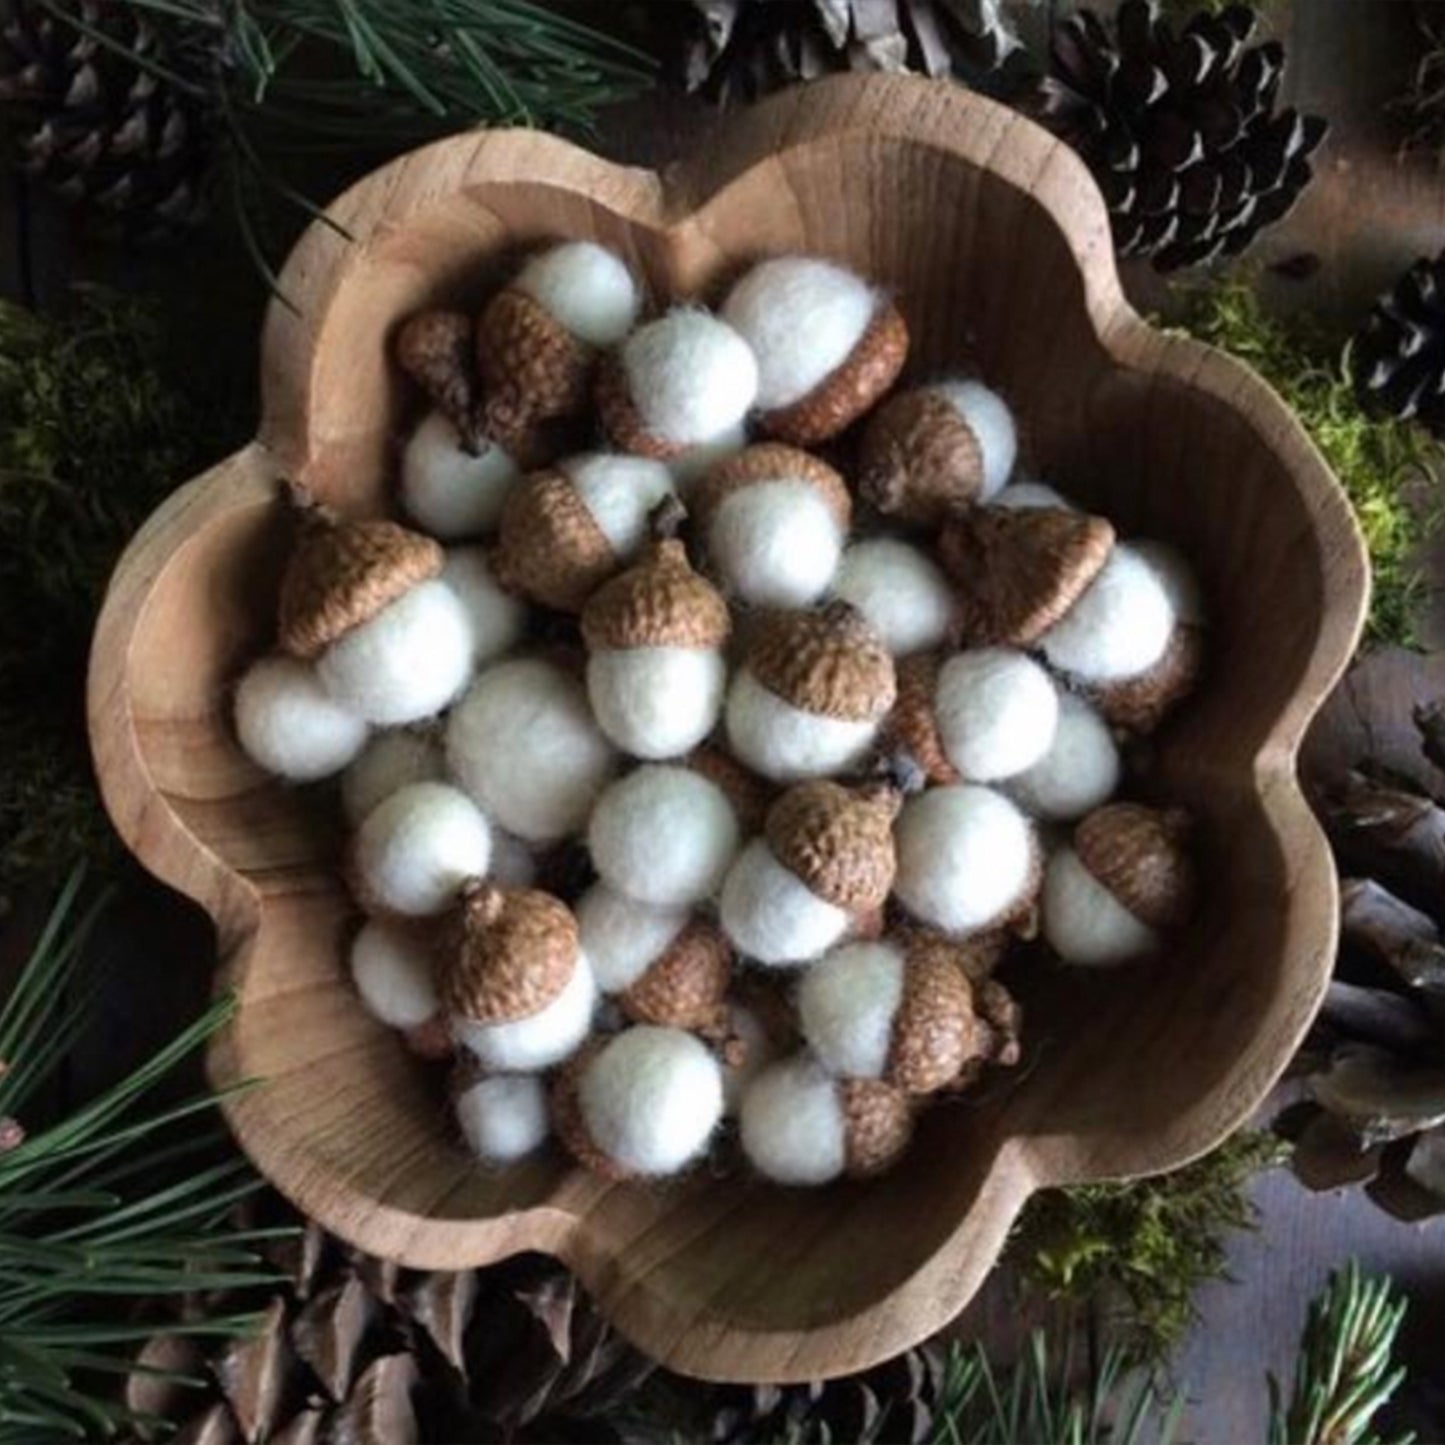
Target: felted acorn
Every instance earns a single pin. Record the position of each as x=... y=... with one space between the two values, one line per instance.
x=811 y=693
x=364 y=600
x=642 y=1104
x=502 y=1117
x=1125 y=883
x=800 y=1125
x=524 y=744
x=825 y=859
x=828 y=344
x=566 y=530
x=655 y=667
x=1079 y=772
x=683 y=381
x=773 y=520
x=936 y=449
x=290 y=725
x=436 y=349
x=495 y=617
x=901 y=590
x=452 y=491
x=389 y=762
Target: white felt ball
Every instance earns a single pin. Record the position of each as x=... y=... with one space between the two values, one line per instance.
x=288 y=723
x=846 y=1006
x=785 y=743
x=664 y=835
x=406 y=663
x=496 y=618
x=620 y=492
x=791 y=1124
x=900 y=590
x=524 y=744
x=996 y=712
x=992 y=424
x=417 y=847
x=771 y=915
x=445 y=489
x=623 y=938
x=392 y=970
x=513 y=865
x=504 y=1117
x=775 y=544
x=586 y=288
x=656 y=702
x=541 y=1039
x=1019 y=495
x=965 y=857
x=688 y=466
x=691 y=377
x=389 y=761
x=1181 y=586
x=802 y=317
x=651 y=1099
x=1119 y=627
x=1083 y=922
x=1078 y=773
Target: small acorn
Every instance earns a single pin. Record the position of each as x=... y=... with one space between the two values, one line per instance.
x=811 y=694
x=453 y=491
x=825 y=860
x=502 y=1117
x=901 y=590
x=289 y=724
x=1124 y=885
x=828 y=345
x=435 y=349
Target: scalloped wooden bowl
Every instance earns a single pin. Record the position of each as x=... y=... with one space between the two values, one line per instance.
x=996 y=244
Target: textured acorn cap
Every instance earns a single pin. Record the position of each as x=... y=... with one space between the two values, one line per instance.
x=529 y=360
x=877 y=1124
x=848 y=390
x=1017 y=571
x=919 y=459
x=935 y=1030
x=1141 y=856
x=341 y=573
x=1139 y=704
x=750 y=795
x=770 y=462
x=830 y=661
x=619 y=415
x=912 y=726
x=567 y=1121
x=837 y=840
x=660 y=601
x=549 y=546
x=687 y=987
x=1001 y=1012
x=509 y=953
x=435 y=349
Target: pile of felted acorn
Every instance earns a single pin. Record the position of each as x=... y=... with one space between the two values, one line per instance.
x=694 y=776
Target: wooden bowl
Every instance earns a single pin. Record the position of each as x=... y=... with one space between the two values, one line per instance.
x=996 y=244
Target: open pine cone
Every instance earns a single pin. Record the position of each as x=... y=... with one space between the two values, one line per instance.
x=1398 y=359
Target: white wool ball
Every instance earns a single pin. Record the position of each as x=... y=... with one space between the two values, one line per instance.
x=541 y=1039
x=496 y=618
x=1119 y=627
x=513 y=865
x=1080 y=770
x=1032 y=494
x=290 y=726
x=623 y=938
x=688 y=466
x=786 y=744
x=772 y=915
x=691 y=377
x=965 y=857
x=416 y=848
x=586 y=288
x=664 y=835
x=524 y=744
x=656 y=702
x=775 y=544
x=504 y=1117
x=406 y=663
x=1083 y=922
x=447 y=490
x=388 y=762
x=651 y=1099
x=900 y=590
x=620 y=492
x=392 y=970
x=791 y=1124
x=992 y=423
x=846 y=1005
x=1181 y=585
x=802 y=317
x=996 y=712
x=753 y=1049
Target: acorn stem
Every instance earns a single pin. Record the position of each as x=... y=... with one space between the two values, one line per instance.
x=667 y=518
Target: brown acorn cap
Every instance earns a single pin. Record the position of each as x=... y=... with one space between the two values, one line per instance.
x=620 y=418
x=769 y=462
x=837 y=840
x=1141 y=856
x=435 y=349
x=750 y=795
x=935 y=1031
x=1017 y=571
x=877 y=1124
x=687 y=987
x=1000 y=1012
x=657 y=602
x=341 y=573
x=509 y=953
x=549 y=546
x=1139 y=704
x=912 y=726
x=850 y=389
x=919 y=460
x=528 y=360
x=829 y=661
x=567 y=1122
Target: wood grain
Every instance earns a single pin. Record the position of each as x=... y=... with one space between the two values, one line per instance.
x=997 y=247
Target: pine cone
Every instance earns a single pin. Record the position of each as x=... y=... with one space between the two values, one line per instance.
x=1180 y=131
x=1398 y=359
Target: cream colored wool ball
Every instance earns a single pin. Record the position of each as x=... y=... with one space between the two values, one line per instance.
x=416 y=849
x=504 y=1117
x=784 y=742
x=772 y=916
x=524 y=744
x=623 y=938
x=406 y=663
x=656 y=702
x=586 y=288
x=775 y=544
x=846 y=1005
x=387 y=763
x=539 y=1040
x=792 y=1125
x=996 y=712
x=900 y=590
x=447 y=490
x=620 y=493
x=1033 y=494
x=1180 y=584
x=290 y=725
x=496 y=618
x=392 y=970
x=1119 y=627
x=664 y=835
x=651 y=1099
x=992 y=423
x=1080 y=770
x=966 y=858
x=1083 y=922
